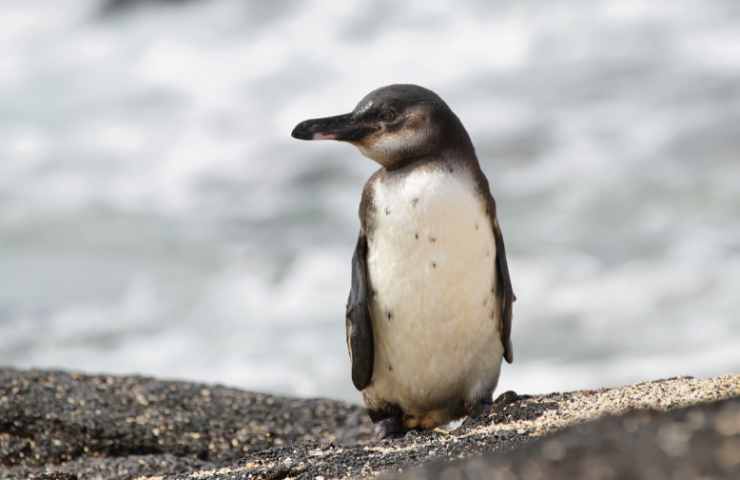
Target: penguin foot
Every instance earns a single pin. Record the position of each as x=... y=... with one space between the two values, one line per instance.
x=391 y=427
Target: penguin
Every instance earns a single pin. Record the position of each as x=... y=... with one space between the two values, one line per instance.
x=428 y=318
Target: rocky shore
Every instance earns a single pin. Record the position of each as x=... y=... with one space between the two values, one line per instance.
x=65 y=426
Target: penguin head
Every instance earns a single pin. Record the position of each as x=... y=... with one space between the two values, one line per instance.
x=393 y=125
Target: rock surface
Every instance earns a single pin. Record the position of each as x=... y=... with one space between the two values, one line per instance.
x=691 y=443
x=57 y=425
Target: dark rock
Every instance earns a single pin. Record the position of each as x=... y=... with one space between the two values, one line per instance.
x=57 y=425
x=696 y=442
x=130 y=426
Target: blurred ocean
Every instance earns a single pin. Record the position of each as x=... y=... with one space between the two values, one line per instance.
x=156 y=217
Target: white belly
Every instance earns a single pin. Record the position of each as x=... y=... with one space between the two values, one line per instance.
x=431 y=257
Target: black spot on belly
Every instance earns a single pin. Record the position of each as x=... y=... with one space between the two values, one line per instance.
x=389 y=315
x=432 y=239
x=387 y=211
x=434 y=264
x=414 y=201
x=390 y=367
x=476 y=226
x=416 y=236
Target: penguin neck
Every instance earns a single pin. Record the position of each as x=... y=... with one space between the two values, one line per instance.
x=455 y=154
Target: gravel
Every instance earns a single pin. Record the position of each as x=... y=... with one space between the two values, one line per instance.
x=58 y=425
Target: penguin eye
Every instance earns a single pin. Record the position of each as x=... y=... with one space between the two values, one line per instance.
x=388 y=115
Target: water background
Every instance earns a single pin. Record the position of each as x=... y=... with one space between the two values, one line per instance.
x=156 y=217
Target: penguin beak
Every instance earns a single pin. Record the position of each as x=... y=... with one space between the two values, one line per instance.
x=339 y=127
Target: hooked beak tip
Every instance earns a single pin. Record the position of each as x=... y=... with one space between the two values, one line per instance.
x=302 y=132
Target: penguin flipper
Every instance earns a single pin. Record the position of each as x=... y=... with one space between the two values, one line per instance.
x=357 y=320
x=506 y=291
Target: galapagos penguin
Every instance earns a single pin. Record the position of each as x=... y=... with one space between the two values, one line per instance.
x=428 y=318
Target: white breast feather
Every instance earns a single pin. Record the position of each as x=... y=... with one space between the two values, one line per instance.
x=431 y=265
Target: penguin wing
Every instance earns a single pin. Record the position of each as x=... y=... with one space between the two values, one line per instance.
x=357 y=319
x=505 y=291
